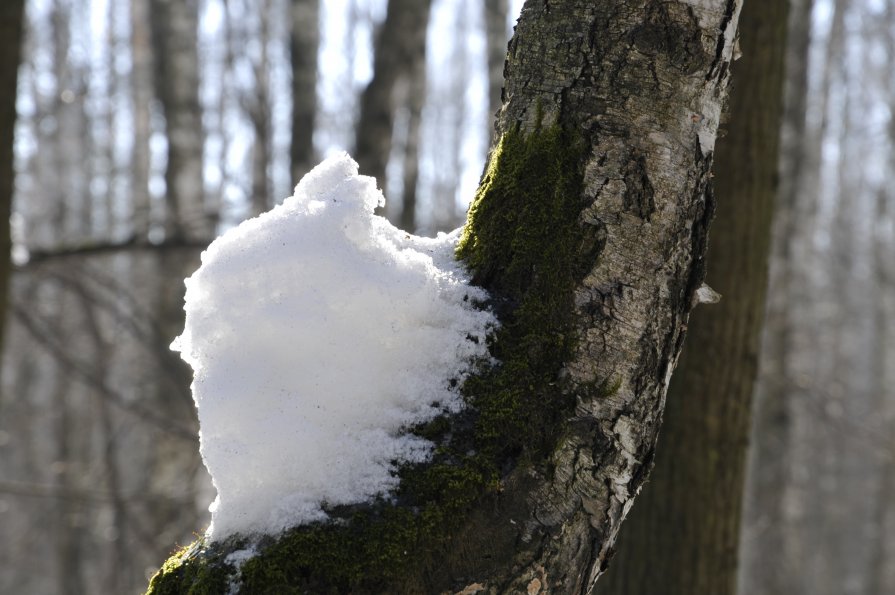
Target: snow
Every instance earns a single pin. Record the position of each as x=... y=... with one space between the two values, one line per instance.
x=318 y=333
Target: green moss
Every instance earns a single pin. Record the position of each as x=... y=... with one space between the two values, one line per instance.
x=192 y=570
x=523 y=242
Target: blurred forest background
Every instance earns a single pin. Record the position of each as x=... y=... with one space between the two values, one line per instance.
x=147 y=127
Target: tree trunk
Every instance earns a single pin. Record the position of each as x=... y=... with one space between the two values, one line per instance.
x=174 y=35
x=11 y=24
x=416 y=96
x=141 y=94
x=882 y=568
x=683 y=534
x=767 y=554
x=398 y=43
x=589 y=230
x=304 y=42
x=257 y=104
x=414 y=101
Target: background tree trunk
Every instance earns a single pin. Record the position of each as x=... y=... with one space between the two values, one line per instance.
x=767 y=569
x=11 y=25
x=174 y=29
x=397 y=46
x=416 y=96
x=257 y=104
x=683 y=533
x=141 y=93
x=496 y=43
x=304 y=41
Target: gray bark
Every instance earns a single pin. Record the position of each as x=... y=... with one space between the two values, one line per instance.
x=683 y=534
x=647 y=185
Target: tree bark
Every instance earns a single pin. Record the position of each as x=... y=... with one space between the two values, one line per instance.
x=304 y=42
x=11 y=25
x=174 y=34
x=683 y=534
x=589 y=230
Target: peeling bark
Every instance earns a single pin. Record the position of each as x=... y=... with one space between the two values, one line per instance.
x=645 y=84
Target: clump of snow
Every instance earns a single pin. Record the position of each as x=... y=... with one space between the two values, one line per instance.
x=317 y=333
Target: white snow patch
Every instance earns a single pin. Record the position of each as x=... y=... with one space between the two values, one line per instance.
x=707 y=295
x=237 y=559
x=317 y=333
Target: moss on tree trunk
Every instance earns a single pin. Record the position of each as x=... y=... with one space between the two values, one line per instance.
x=588 y=230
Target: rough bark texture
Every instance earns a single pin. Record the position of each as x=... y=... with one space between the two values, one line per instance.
x=682 y=536
x=647 y=177
x=589 y=230
x=174 y=30
x=11 y=24
x=398 y=42
x=304 y=41
x=258 y=108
